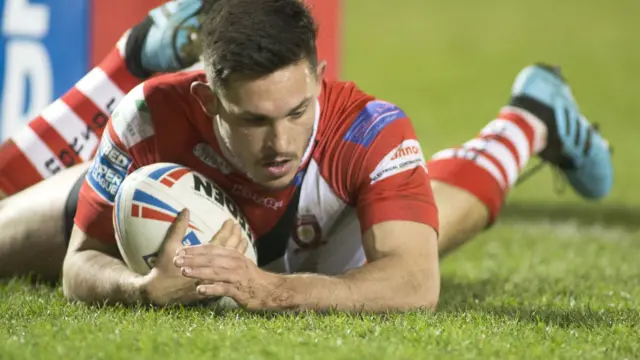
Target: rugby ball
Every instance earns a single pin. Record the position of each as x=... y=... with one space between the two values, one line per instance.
x=149 y=200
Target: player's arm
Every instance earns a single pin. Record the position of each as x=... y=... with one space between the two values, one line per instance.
x=401 y=274
x=93 y=269
x=94 y=272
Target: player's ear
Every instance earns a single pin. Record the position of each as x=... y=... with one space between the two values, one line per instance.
x=206 y=97
x=320 y=71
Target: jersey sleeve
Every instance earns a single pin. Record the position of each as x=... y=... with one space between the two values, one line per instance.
x=383 y=168
x=127 y=144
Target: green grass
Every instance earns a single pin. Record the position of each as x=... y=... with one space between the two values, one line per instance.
x=557 y=277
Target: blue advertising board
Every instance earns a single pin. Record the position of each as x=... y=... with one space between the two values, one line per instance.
x=44 y=50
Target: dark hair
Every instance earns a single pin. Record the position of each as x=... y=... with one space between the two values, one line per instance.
x=256 y=38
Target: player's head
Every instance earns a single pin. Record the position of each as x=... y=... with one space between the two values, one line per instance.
x=263 y=81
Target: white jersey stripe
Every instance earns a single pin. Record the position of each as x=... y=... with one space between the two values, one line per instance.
x=99 y=88
x=37 y=152
x=74 y=131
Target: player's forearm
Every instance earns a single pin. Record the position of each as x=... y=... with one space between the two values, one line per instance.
x=94 y=277
x=388 y=284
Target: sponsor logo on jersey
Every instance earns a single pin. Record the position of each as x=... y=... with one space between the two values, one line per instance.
x=372 y=119
x=205 y=153
x=206 y=188
x=247 y=193
x=108 y=170
x=406 y=156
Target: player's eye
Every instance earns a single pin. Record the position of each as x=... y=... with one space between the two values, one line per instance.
x=255 y=120
x=298 y=113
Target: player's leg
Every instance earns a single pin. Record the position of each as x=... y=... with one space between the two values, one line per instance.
x=470 y=182
x=34 y=225
x=66 y=133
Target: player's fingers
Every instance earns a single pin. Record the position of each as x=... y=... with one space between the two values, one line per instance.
x=222 y=236
x=225 y=258
x=223 y=270
x=218 y=289
x=243 y=245
x=203 y=249
x=236 y=239
x=176 y=231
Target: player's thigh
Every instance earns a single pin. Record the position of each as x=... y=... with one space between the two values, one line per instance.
x=461 y=215
x=34 y=224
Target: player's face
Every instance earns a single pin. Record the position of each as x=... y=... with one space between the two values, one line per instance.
x=267 y=122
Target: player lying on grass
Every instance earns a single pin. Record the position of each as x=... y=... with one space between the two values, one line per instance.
x=283 y=141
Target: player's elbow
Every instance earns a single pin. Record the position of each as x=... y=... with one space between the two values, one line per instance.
x=420 y=283
x=74 y=268
x=423 y=287
x=70 y=289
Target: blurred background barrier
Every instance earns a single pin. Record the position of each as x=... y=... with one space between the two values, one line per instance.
x=48 y=45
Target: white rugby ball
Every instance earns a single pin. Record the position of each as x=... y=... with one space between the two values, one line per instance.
x=150 y=198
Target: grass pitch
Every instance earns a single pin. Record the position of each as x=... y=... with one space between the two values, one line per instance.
x=557 y=277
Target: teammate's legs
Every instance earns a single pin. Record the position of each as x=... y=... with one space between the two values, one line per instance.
x=67 y=132
x=32 y=218
x=471 y=182
x=34 y=225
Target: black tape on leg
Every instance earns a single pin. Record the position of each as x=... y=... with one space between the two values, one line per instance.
x=133 y=49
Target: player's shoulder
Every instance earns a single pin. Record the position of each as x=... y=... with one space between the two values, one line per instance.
x=353 y=115
x=154 y=104
x=173 y=84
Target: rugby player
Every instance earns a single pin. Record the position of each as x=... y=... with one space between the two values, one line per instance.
x=302 y=151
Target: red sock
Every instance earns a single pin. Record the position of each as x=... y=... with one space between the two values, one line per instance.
x=67 y=132
x=489 y=165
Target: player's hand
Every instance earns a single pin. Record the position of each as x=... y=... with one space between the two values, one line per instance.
x=224 y=270
x=165 y=285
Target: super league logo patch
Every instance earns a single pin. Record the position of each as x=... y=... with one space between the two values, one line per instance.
x=108 y=169
x=372 y=119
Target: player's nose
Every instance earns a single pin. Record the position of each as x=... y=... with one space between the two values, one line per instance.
x=278 y=136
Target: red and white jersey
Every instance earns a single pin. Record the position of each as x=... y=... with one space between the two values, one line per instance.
x=68 y=131
x=363 y=166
